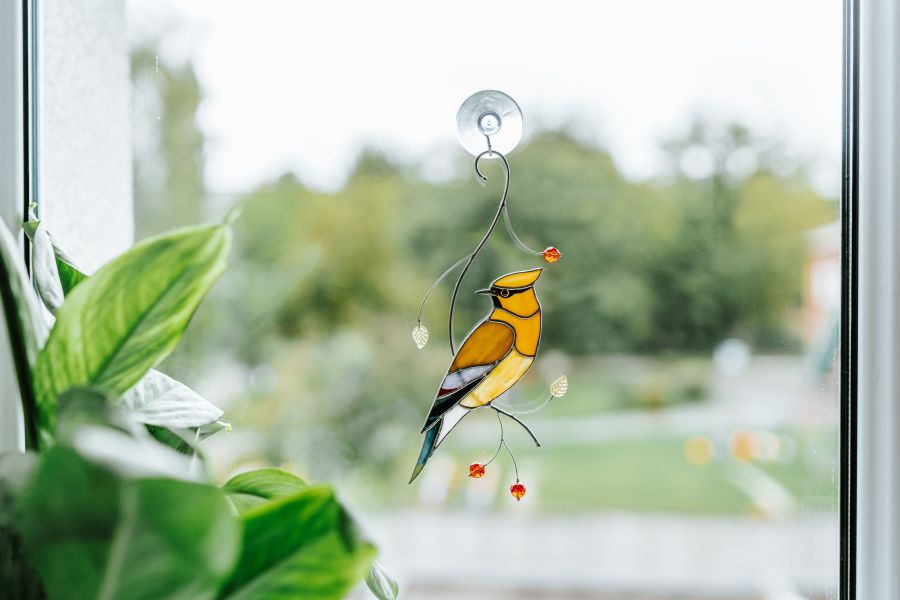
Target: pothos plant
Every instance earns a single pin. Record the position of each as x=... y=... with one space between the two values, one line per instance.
x=111 y=499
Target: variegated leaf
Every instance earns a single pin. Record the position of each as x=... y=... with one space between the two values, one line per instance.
x=160 y=400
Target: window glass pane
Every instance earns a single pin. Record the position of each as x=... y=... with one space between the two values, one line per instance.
x=685 y=159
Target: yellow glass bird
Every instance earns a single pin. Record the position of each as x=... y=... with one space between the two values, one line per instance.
x=494 y=356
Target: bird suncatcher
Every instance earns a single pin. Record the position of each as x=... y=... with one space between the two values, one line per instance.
x=502 y=347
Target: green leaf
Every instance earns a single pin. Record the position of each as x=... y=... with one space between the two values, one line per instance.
x=160 y=400
x=183 y=441
x=249 y=490
x=78 y=407
x=17 y=578
x=381 y=584
x=43 y=267
x=205 y=431
x=93 y=534
x=69 y=274
x=15 y=468
x=186 y=441
x=157 y=399
x=24 y=309
x=300 y=547
x=88 y=421
x=25 y=326
x=129 y=315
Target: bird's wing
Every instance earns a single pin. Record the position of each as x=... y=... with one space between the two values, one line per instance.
x=485 y=346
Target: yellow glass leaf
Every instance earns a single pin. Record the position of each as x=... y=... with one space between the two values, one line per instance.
x=559 y=387
x=420 y=335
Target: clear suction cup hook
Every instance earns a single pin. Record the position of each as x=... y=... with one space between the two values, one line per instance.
x=489 y=120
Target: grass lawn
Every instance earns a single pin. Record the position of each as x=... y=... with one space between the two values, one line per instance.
x=650 y=474
x=604 y=384
x=646 y=473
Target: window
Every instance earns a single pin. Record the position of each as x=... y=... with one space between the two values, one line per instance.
x=689 y=160
x=693 y=192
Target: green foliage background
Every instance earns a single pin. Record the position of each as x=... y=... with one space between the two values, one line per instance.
x=317 y=310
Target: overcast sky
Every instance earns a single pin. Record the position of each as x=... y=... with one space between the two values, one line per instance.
x=303 y=86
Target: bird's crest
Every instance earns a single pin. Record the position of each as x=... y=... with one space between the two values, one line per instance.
x=519 y=279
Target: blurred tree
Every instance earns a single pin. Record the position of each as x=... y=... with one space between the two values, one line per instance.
x=167 y=143
x=324 y=287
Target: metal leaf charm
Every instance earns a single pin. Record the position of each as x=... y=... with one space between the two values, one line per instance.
x=420 y=335
x=559 y=387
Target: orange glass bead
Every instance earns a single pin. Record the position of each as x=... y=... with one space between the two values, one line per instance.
x=517 y=490
x=551 y=254
x=476 y=470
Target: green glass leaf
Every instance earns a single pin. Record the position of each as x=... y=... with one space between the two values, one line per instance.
x=129 y=315
x=559 y=387
x=249 y=490
x=90 y=533
x=381 y=584
x=420 y=335
x=303 y=546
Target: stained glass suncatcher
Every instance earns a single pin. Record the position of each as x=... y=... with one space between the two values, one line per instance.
x=500 y=349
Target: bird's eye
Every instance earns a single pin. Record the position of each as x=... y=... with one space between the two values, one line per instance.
x=504 y=293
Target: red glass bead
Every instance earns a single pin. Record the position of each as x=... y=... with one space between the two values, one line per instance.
x=517 y=490
x=476 y=470
x=551 y=254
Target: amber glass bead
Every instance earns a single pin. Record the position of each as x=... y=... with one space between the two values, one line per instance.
x=551 y=254
x=476 y=470
x=517 y=490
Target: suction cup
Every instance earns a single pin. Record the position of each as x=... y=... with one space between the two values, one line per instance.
x=489 y=115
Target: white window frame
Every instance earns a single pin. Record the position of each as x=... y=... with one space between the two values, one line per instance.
x=876 y=540
x=16 y=177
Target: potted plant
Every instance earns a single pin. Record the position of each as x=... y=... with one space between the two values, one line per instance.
x=112 y=498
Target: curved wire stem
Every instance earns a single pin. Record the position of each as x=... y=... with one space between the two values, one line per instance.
x=435 y=284
x=502 y=445
x=515 y=466
x=484 y=239
x=520 y=422
x=537 y=408
x=502 y=209
x=515 y=238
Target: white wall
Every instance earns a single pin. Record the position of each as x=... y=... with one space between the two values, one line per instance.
x=84 y=143
x=85 y=140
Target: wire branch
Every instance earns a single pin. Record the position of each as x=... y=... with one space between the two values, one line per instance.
x=520 y=422
x=484 y=239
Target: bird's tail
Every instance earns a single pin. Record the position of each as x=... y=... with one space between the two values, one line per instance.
x=431 y=437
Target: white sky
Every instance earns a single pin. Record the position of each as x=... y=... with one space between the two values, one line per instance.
x=303 y=86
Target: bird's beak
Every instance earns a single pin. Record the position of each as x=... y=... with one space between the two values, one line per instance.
x=485 y=291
